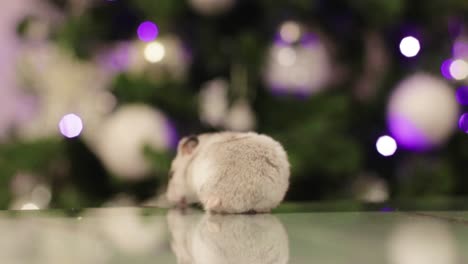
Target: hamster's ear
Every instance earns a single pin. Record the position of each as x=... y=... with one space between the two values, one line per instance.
x=189 y=145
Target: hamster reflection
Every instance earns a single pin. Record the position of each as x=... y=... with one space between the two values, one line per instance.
x=256 y=239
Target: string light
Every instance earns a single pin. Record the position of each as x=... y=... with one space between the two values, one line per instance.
x=462 y=95
x=290 y=31
x=154 y=52
x=147 y=31
x=409 y=46
x=445 y=69
x=386 y=146
x=458 y=69
x=463 y=122
x=71 y=125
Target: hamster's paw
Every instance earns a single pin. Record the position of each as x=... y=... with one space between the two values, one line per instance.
x=213 y=204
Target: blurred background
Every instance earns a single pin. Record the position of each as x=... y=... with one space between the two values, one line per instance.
x=366 y=96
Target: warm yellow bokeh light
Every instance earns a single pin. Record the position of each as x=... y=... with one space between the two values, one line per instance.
x=154 y=52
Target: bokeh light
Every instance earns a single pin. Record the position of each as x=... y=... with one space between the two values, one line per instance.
x=290 y=31
x=147 y=31
x=154 y=52
x=460 y=47
x=445 y=69
x=386 y=146
x=409 y=46
x=462 y=95
x=458 y=69
x=71 y=125
x=463 y=122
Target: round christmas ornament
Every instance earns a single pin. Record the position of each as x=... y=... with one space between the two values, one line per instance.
x=213 y=102
x=370 y=188
x=17 y=107
x=123 y=136
x=63 y=85
x=241 y=117
x=303 y=68
x=211 y=7
x=422 y=112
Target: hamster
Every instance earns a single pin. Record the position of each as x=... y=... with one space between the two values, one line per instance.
x=229 y=172
x=215 y=238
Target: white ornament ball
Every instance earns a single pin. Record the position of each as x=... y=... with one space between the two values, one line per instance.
x=241 y=117
x=124 y=134
x=213 y=102
x=370 y=188
x=211 y=7
x=298 y=69
x=422 y=112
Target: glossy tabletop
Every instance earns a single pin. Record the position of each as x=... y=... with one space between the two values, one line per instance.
x=151 y=235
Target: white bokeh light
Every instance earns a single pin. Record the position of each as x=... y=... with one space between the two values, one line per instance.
x=409 y=46
x=459 y=69
x=386 y=146
x=154 y=52
x=290 y=31
x=71 y=125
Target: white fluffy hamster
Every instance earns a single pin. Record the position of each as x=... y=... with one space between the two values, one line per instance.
x=218 y=239
x=229 y=172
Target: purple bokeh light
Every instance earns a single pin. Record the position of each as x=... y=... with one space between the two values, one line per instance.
x=309 y=39
x=407 y=134
x=462 y=95
x=148 y=31
x=173 y=136
x=460 y=48
x=71 y=125
x=463 y=122
x=445 y=69
x=116 y=59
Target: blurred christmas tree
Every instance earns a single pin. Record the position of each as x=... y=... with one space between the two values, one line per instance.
x=325 y=78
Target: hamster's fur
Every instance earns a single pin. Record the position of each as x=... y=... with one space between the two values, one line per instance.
x=229 y=172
